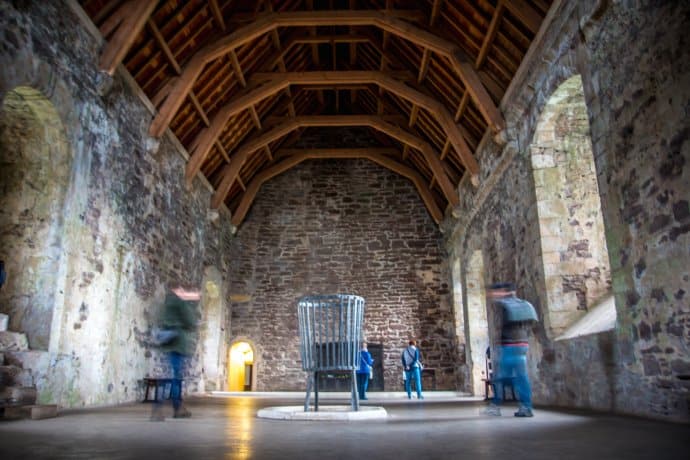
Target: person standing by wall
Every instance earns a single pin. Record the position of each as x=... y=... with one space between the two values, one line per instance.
x=516 y=318
x=413 y=369
x=178 y=325
x=364 y=371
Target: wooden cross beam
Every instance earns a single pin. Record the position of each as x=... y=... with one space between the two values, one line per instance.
x=125 y=25
x=280 y=81
x=297 y=156
x=386 y=22
x=232 y=170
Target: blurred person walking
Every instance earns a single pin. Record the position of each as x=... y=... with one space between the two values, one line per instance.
x=516 y=318
x=176 y=338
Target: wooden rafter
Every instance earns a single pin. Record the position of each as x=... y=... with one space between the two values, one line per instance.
x=217 y=15
x=490 y=34
x=279 y=82
x=387 y=23
x=525 y=13
x=125 y=24
x=295 y=157
x=231 y=171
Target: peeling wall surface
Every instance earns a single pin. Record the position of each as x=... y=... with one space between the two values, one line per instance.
x=341 y=226
x=109 y=214
x=635 y=67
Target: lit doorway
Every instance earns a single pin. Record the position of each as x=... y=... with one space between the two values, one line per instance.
x=241 y=367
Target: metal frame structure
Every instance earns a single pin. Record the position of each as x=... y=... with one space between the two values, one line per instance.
x=330 y=335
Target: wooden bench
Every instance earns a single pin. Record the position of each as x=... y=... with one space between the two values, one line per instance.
x=162 y=388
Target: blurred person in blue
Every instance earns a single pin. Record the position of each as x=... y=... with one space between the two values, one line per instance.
x=364 y=371
x=176 y=338
x=516 y=317
x=413 y=369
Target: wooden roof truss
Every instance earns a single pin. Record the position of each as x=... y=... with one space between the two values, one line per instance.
x=238 y=81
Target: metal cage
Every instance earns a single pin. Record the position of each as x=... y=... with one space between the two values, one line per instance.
x=330 y=336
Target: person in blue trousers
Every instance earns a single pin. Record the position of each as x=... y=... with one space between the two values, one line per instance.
x=517 y=317
x=364 y=371
x=413 y=369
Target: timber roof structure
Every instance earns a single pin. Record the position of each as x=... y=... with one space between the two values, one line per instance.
x=238 y=82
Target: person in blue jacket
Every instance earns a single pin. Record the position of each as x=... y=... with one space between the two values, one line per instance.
x=413 y=369
x=364 y=371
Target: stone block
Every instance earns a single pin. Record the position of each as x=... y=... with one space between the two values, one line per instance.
x=34 y=412
x=552 y=209
x=551 y=244
x=4 y=322
x=541 y=161
x=13 y=341
x=34 y=360
x=13 y=376
x=18 y=395
x=42 y=411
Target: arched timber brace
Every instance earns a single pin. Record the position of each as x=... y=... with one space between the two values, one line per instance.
x=124 y=25
x=203 y=143
x=297 y=156
x=232 y=170
x=462 y=67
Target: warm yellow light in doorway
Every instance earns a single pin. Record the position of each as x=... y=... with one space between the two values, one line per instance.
x=241 y=366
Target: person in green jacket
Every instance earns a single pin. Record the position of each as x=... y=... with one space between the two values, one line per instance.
x=178 y=323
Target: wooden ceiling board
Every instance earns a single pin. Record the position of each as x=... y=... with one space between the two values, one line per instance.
x=177 y=31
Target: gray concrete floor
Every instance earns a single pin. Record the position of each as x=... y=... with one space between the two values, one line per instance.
x=436 y=428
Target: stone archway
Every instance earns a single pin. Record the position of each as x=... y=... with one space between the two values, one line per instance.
x=35 y=174
x=574 y=253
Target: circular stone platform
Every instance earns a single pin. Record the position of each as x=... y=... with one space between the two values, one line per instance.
x=325 y=413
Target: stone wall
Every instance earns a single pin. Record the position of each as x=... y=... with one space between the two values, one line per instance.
x=341 y=226
x=126 y=225
x=634 y=63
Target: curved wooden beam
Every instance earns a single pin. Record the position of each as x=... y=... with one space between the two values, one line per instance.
x=375 y=155
x=231 y=171
x=125 y=25
x=462 y=67
x=279 y=81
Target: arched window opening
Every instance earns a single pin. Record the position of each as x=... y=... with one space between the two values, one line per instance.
x=574 y=254
x=241 y=367
x=35 y=170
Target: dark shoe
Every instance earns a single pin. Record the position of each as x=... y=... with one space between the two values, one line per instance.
x=420 y=397
x=182 y=413
x=524 y=412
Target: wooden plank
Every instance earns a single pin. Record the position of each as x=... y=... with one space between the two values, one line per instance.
x=424 y=66
x=255 y=117
x=435 y=11
x=208 y=136
x=525 y=14
x=217 y=15
x=379 y=156
x=237 y=68
x=135 y=13
x=164 y=46
x=490 y=34
x=430 y=104
x=232 y=170
x=385 y=22
x=199 y=109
